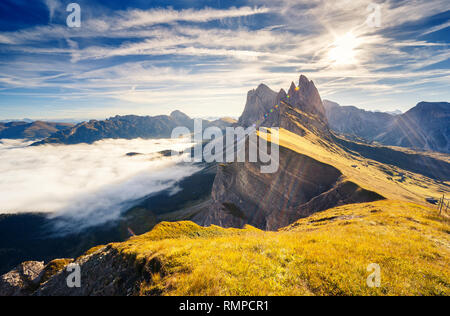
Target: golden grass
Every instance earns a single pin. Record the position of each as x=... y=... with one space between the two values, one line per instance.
x=53 y=267
x=390 y=181
x=325 y=254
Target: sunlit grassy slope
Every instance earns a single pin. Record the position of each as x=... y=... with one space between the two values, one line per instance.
x=325 y=254
x=390 y=181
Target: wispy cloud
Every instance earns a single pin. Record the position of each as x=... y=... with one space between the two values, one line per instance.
x=52 y=5
x=181 y=56
x=143 y=18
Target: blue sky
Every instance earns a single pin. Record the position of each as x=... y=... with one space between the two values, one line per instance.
x=201 y=57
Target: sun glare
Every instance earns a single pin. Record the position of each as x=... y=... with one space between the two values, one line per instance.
x=343 y=50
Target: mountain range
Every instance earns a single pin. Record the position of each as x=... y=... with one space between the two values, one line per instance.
x=424 y=127
x=31 y=130
x=128 y=127
x=317 y=168
x=288 y=230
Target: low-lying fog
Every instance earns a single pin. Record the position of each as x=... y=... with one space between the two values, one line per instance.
x=92 y=184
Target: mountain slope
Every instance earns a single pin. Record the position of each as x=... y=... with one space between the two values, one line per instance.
x=33 y=130
x=424 y=127
x=350 y=120
x=306 y=258
x=317 y=171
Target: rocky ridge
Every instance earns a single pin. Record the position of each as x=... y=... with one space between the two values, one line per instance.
x=302 y=185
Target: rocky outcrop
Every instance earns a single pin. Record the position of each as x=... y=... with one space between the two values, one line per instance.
x=23 y=280
x=27 y=277
x=300 y=107
x=127 y=127
x=306 y=97
x=105 y=272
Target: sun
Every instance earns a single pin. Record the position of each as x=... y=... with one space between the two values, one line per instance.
x=343 y=50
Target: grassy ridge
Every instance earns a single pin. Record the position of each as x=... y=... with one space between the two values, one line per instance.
x=325 y=254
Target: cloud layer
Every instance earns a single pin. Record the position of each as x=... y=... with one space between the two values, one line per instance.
x=88 y=184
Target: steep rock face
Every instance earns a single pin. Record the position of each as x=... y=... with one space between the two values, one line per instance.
x=306 y=98
x=259 y=102
x=267 y=108
x=301 y=106
x=352 y=121
x=301 y=186
x=426 y=127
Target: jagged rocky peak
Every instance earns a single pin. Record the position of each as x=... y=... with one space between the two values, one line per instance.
x=306 y=97
x=302 y=185
x=259 y=101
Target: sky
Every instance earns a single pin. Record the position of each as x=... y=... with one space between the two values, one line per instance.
x=202 y=56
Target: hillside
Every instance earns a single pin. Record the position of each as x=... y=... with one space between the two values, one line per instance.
x=31 y=130
x=409 y=243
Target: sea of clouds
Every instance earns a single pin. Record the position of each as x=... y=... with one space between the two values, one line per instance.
x=87 y=184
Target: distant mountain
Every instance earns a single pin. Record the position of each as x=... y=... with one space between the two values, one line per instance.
x=352 y=121
x=26 y=120
x=31 y=130
x=424 y=127
x=395 y=112
x=127 y=127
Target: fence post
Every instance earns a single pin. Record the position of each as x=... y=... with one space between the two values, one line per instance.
x=441 y=201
